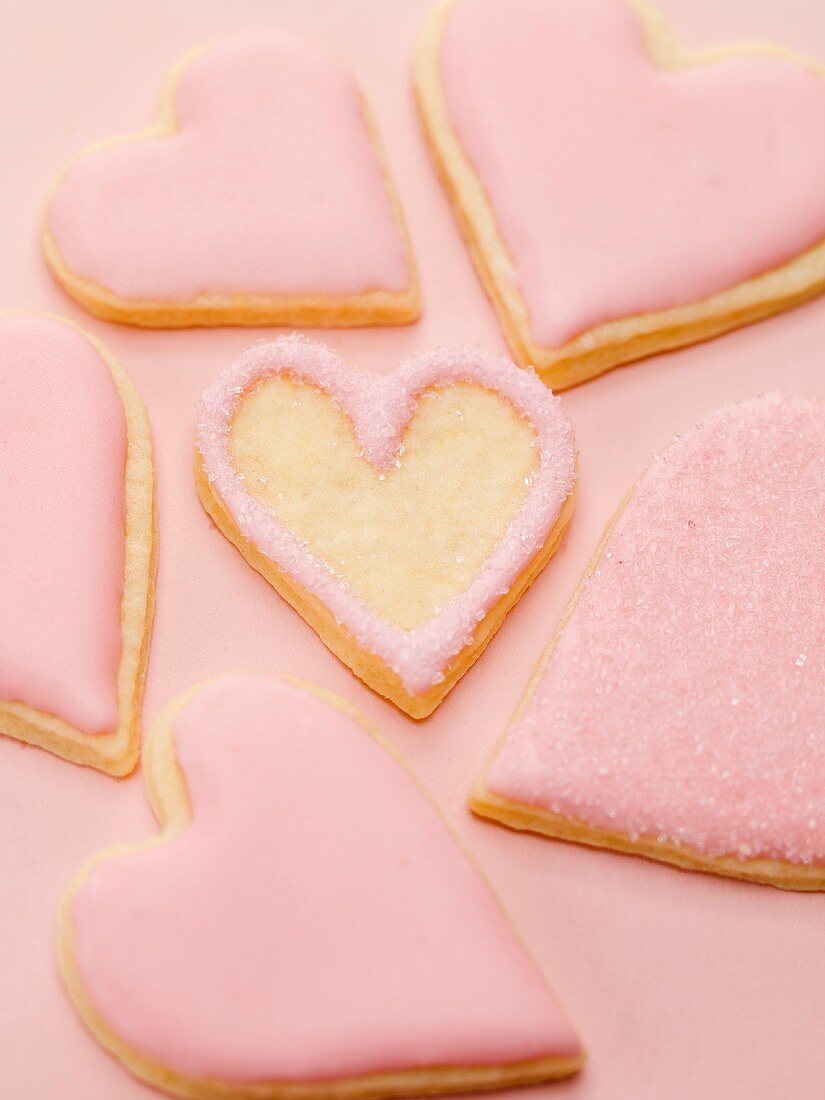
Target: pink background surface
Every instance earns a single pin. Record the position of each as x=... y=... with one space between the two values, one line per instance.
x=683 y=986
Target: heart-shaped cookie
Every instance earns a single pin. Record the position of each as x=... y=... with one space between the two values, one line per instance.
x=621 y=195
x=306 y=925
x=260 y=197
x=402 y=516
x=680 y=710
x=77 y=549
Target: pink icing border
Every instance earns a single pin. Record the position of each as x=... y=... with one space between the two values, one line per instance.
x=380 y=407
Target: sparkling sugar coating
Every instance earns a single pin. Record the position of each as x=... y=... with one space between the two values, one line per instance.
x=684 y=698
x=380 y=407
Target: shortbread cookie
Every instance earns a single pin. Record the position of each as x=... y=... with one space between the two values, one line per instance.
x=679 y=711
x=306 y=925
x=621 y=195
x=77 y=548
x=402 y=516
x=261 y=196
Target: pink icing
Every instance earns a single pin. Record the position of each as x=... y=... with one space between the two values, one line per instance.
x=270 y=182
x=685 y=697
x=316 y=919
x=380 y=407
x=62 y=455
x=620 y=188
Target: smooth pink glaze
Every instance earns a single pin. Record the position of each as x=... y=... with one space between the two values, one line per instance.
x=620 y=188
x=270 y=182
x=62 y=455
x=685 y=698
x=380 y=407
x=650 y=964
x=315 y=920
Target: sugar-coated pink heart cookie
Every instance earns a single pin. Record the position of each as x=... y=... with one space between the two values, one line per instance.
x=77 y=546
x=680 y=710
x=306 y=925
x=401 y=515
x=260 y=197
x=622 y=195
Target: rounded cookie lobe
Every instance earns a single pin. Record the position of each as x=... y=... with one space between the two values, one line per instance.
x=62 y=458
x=308 y=918
x=683 y=698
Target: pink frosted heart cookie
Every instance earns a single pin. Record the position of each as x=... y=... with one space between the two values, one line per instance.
x=77 y=549
x=306 y=925
x=620 y=194
x=261 y=196
x=401 y=515
x=678 y=712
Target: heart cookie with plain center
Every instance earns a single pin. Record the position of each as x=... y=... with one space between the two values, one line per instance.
x=401 y=515
x=678 y=713
x=622 y=195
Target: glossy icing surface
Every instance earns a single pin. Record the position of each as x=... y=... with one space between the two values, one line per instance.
x=62 y=456
x=270 y=180
x=619 y=187
x=684 y=698
x=380 y=408
x=297 y=928
x=735 y=972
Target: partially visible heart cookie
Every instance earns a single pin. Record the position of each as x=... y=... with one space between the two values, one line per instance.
x=680 y=711
x=261 y=196
x=77 y=548
x=402 y=516
x=306 y=925
x=622 y=195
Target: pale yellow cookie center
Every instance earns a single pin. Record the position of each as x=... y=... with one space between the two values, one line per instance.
x=403 y=539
